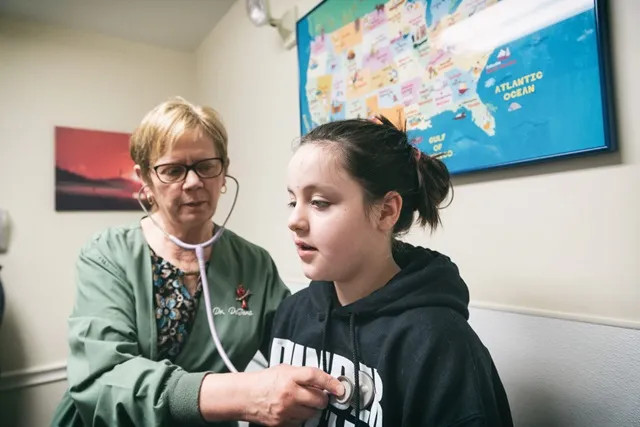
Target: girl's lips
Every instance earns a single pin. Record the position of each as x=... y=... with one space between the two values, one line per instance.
x=306 y=253
x=303 y=245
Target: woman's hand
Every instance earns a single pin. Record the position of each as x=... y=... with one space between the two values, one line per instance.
x=282 y=395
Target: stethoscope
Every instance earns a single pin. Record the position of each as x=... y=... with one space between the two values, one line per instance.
x=199 y=249
x=348 y=399
x=341 y=402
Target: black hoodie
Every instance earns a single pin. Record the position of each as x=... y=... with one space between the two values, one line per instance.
x=412 y=338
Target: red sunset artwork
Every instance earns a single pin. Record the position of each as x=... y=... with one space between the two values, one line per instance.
x=94 y=171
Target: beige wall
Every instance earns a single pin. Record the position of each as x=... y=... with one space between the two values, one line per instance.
x=52 y=77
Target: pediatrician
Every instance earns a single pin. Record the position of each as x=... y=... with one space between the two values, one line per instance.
x=141 y=348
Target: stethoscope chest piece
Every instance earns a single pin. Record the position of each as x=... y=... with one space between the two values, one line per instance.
x=347 y=400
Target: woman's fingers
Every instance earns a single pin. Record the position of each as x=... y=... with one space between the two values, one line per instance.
x=317 y=378
x=311 y=397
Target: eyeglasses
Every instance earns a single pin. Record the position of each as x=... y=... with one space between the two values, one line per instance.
x=170 y=173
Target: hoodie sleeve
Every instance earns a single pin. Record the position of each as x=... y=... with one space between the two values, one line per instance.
x=111 y=383
x=454 y=381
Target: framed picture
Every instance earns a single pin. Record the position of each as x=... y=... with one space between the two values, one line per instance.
x=481 y=83
x=94 y=171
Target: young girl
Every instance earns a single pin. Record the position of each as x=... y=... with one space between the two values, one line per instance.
x=395 y=313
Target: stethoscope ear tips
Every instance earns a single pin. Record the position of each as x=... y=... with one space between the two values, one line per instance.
x=347 y=400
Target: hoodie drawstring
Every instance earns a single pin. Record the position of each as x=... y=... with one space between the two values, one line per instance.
x=356 y=364
x=325 y=336
x=355 y=357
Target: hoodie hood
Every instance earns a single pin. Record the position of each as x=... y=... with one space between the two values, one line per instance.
x=427 y=279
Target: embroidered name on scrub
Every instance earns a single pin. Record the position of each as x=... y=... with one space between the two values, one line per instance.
x=290 y=353
x=233 y=311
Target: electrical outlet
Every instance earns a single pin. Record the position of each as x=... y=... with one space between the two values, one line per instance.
x=4 y=231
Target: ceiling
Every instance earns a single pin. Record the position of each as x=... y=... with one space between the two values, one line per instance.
x=175 y=24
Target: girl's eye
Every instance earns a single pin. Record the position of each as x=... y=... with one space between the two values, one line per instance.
x=292 y=204
x=320 y=204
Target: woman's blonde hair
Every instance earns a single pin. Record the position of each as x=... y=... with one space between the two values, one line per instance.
x=166 y=123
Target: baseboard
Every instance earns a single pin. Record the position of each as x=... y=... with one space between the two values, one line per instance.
x=31 y=377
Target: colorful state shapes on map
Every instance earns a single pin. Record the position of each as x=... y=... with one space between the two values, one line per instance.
x=352 y=59
x=394 y=14
x=436 y=58
x=445 y=64
x=374 y=19
x=407 y=66
x=481 y=115
x=318 y=44
x=358 y=83
x=410 y=91
x=419 y=36
x=514 y=106
x=415 y=119
x=334 y=65
x=339 y=88
x=463 y=86
x=356 y=108
x=401 y=43
x=389 y=97
x=413 y=12
x=392 y=74
x=442 y=95
x=431 y=72
x=376 y=39
x=423 y=52
x=338 y=111
x=317 y=107
x=324 y=85
x=438 y=10
x=376 y=59
x=372 y=105
x=425 y=95
x=318 y=65
x=346 y=37
x=324 y=88
x=378 y=79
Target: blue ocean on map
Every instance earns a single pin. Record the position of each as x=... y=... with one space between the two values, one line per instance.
x=563 y=114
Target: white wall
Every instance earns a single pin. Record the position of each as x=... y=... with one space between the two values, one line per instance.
x=53 y=77
x=559 y=238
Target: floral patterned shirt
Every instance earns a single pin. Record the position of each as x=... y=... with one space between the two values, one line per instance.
x=175 y=307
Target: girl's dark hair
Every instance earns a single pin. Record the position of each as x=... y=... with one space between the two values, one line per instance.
x=379 y=156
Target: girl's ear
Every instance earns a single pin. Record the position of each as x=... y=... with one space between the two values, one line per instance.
x=389 y=211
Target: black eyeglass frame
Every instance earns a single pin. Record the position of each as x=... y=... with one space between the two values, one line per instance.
x=188 y=168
